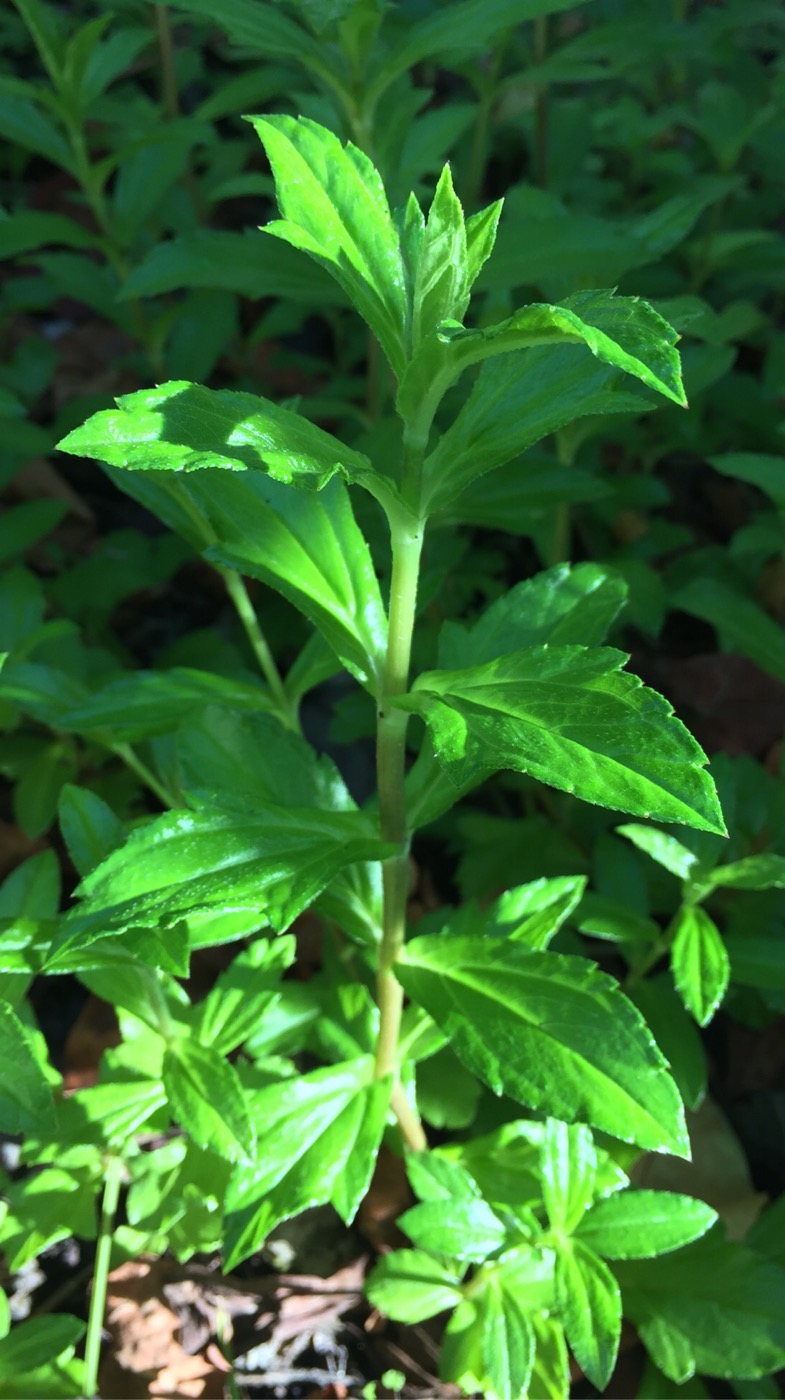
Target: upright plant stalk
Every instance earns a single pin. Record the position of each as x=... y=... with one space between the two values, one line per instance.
x=406 y=541
x=238 y=593
x=541 y=102
x=112 y=1183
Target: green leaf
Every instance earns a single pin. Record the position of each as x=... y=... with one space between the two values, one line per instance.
x=758 y=468
x=26 y=125
x=762 y=872
x=320 y=1143
x=507 y=1339
x=441 y=273
x=137 y=706
x=641 y=1224
x=589 y=1303
x=273 y=862
x=713 y=1307
x=91 y=830
x=534 y=912
x=311 y=550
x=742 y=625
x=466 y=1230
x=756 y=961
x=21 y=1351
x=185 y=427
x=25 y=1096
x=663 y=848
x=699 y=962
x=676 y=1034
x=514 y=403
x=111 y=1114
x=410 y=1286
x=22 y=233
x=570 y=718
x=231 y=1011
x=568 y=1168
x=231 y=262
x=552 y=1031
x=206 y=1096
x=335 y=209
x=561 y=606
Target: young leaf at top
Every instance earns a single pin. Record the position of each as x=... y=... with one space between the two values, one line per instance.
x=568 y=1168
x=335 y=209
x=551 y=1031
x=441 y=266
x=560 y=606
x=571 y=718
x=184 y=427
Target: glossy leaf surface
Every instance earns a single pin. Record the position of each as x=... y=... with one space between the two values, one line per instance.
x=589 y=1304
x=410 y=1286
x=206 y=1097
x=699 y=962
x=642 y=1224
x=549 y=1030
x=571 y=718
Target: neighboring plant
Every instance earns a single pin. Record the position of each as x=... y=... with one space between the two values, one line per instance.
x=514 y=1230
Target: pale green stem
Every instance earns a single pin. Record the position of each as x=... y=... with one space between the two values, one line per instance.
x=247 y=614
x=137 y=766
x=406 y=538
x=112 y=1183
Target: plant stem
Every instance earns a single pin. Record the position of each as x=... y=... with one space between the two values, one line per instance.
x=541 y=103
x=169 y=94
x=112 y=1182
x=134 y=762
x=247 y=614
x=406 y=538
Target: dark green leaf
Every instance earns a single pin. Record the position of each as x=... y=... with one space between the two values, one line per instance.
x=155 y=702
x=231 y=262
x=89 y=826
x=641 y=1224
x=21 y=233
x=742 y=625
x=551 y=1031
x=571 y=718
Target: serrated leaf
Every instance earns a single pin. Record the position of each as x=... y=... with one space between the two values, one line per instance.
x=571 y=718
x=145 y=703
x=642 y=1224
x=231 y=262
x=89 y=826
x=206 y=1097
x=589 y=1304
x=699 y=962
x=441 y=281
x=466 y=1230
x=713 y=1307
x=25 y=1095
x=321 y=1133
x=335 y=209
x=232 y=1008
x=410 y=1286
x=273 y=862
x=185 y=427
x=552 y=1031
x=561 y=606
x=507 y=1340
x=761 y=872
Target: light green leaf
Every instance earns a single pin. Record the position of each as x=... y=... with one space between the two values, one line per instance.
x=561 y=606
x=589 y=1304
x=206 y=1096
x=663 y=848
x=507 y=1340
x=466 y=1230
x=571 y=718
x=699 y=962
x=534 y=912
x=410 y=1286
x=185 y=427
x=321 y=1134
x=231 y=1011
x=552 y=1031
x=641 y=1224
x=21 y=1351
x=713 y=1307
x=568 y=1168
x=551 y=1373
x=25 y=1096
x=335 y=209
x=273 y=862
x=441 y=280
x=762 y=872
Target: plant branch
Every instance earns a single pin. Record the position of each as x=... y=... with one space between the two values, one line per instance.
x=137 y=766
x=247 y=614
x=112 y=1183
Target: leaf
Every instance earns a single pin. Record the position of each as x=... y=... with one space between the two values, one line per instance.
x=22 y=233
x=760 y=469
x=155 y=702
x=589 y=1303
x=561 y=606
x=24 y=124
x=761 y=872
x=21 y=1351
x=311 y=550
x=409 y=1286
x=742 y=625
x=236 y=1003
x=552 y=1031
x=321 y=1134
x=663 y=848
x=441 y=272
x=534 y=912
x=676 y=1035
x=466 y=1230
x=185 y=427
x=570 y=718
x=713 y=1307
x=206 y=1097
x=273 y=862
x=507 y=1339
x=699 y=962
x=25 y=1096
x=89 y=826
x=568 y=1168
x=261 y=27
x=641 y=1224
x=335 y=209
x=231 y=262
